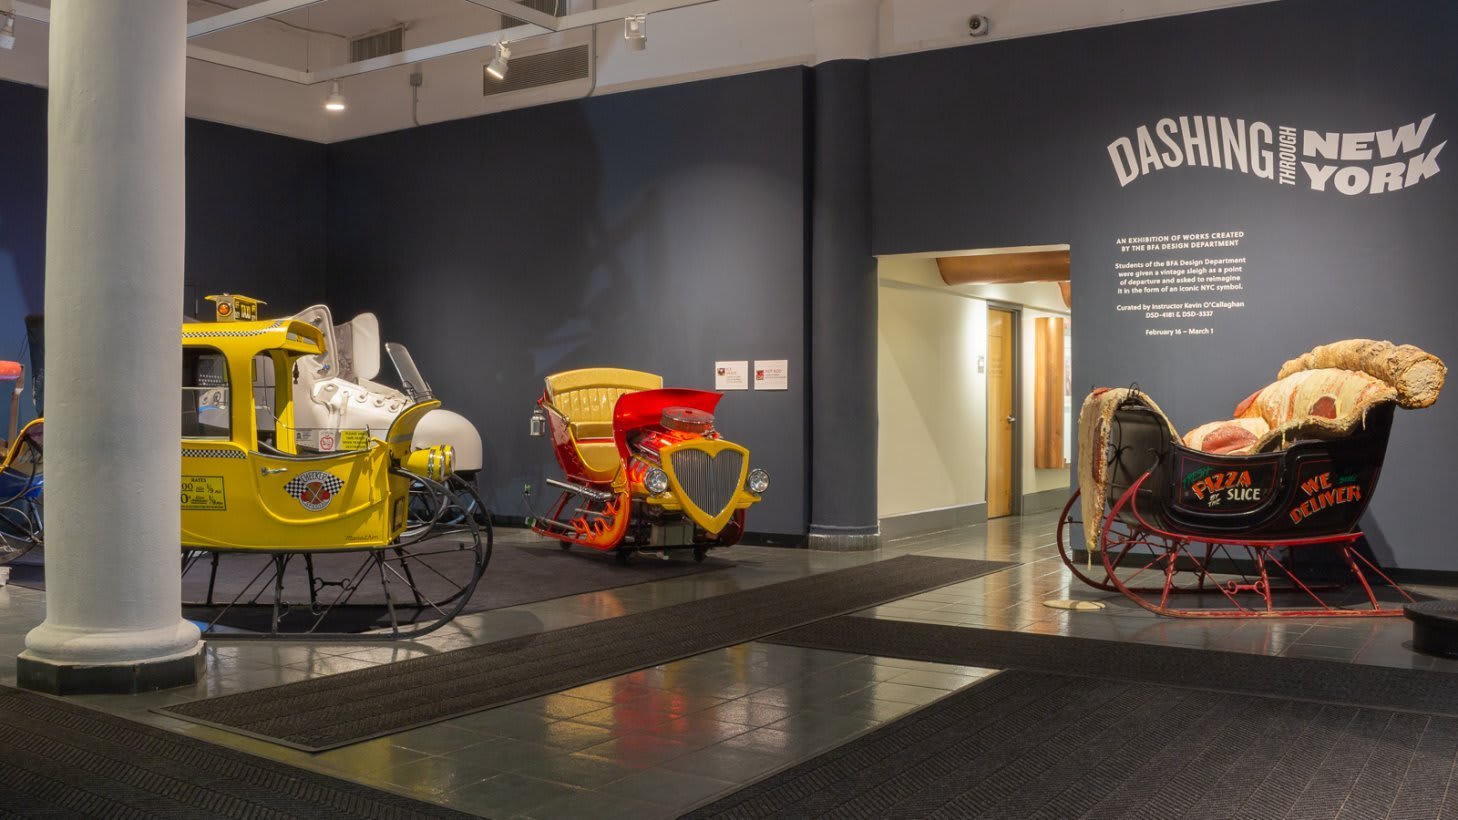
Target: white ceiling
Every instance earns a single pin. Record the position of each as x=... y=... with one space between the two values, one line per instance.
x=272 y=74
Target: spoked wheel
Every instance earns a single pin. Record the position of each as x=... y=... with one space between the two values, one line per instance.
x=439 y=559
x=428 y=583
x=404 y=590
x=20 y=528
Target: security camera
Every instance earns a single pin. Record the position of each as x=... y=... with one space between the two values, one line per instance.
x=978 y=25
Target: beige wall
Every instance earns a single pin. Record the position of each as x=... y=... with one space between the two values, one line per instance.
x=932 y=400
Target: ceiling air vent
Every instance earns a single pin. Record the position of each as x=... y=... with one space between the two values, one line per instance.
x=378 y=44
x=535 y=70
x=545 y=6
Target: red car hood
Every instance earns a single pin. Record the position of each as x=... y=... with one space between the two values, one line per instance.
x=645 y=408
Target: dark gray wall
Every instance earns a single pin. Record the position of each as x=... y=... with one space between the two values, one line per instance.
x=255 y=215
x=22 y=222
x=658 y=230
x=1006 y=144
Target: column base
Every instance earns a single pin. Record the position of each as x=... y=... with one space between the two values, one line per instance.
x=113 y=679
x=846 y=541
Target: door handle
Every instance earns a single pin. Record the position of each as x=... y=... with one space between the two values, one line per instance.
x=272 y=470
x=1011 y=420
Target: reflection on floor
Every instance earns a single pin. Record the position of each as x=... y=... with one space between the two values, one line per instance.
x=658 y=742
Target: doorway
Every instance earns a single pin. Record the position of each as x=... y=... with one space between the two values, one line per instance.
x=969 y=388
x=1002 y=426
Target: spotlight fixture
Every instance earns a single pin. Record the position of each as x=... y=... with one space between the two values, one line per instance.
x=7 y=31
x=635 y=31
x=496 y=69
x=335 y=101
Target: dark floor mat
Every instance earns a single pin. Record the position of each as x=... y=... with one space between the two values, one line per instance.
x=60 y=760
x=333 y=711
x=1039 y=745
x=1325 y=681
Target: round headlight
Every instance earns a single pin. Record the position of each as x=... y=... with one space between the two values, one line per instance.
x=758 y=481
x=656 y=480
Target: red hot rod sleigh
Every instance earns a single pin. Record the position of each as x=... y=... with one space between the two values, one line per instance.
x=645 y=467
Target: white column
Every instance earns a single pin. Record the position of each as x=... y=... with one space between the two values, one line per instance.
x=114 y=257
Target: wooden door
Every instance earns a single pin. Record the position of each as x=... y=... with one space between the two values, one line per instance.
x=1001 y=424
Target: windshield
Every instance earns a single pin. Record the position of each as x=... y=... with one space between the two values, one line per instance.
x=411 y=382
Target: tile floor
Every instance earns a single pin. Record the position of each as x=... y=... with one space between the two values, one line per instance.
x=658 y=742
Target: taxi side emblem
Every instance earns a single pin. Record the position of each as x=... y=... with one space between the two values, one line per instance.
x=314 y=489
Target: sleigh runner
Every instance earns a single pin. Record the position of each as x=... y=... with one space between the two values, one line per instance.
x=1233 y=508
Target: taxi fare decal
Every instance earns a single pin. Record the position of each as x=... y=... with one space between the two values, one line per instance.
x=1322 y=492
x=314 y=489
x=203 y=492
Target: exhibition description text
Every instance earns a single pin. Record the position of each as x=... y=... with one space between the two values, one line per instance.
x=1180 y=284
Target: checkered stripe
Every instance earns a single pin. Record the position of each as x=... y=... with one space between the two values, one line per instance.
x=189 y=452
x=217 y=334
x=296 y=485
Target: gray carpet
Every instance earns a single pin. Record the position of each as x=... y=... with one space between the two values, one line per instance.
x=1334 y=682
x=59 y=760
x=1038 y=745
x=337 y=710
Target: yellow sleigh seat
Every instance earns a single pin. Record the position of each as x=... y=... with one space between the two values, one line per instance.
x=585 y=399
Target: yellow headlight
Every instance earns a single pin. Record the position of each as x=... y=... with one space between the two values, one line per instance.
x=434 y=463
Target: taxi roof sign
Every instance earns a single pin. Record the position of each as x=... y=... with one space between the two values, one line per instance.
x=232 y=307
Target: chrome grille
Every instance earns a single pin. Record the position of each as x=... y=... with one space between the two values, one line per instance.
x=708 y=481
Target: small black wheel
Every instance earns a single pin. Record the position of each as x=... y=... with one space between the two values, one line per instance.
x=700 y=553
x=564 y=546
x=623 y=557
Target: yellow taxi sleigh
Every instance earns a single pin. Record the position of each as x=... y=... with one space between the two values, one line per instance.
x=372 y=536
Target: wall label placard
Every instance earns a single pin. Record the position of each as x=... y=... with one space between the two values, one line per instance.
x=1182 y=283
x=731 y=375
x=1352 y=163
x=771 y=374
